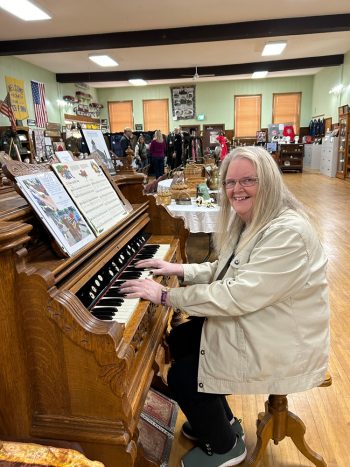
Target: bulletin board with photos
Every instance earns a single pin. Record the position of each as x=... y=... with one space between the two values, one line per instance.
x=183 y=101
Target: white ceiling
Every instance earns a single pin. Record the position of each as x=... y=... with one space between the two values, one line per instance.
x=84 y=17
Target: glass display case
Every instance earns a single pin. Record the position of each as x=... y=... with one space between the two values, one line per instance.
x=343 y=167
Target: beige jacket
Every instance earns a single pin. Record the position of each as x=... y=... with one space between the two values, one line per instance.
x=267 y=325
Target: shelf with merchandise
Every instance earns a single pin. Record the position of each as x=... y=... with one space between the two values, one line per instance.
x=18 y=144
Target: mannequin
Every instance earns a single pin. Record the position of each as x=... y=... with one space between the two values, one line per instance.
x=223 y=144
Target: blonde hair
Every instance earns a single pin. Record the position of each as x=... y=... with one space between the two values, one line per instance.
x=158 y=136
x=272 y=197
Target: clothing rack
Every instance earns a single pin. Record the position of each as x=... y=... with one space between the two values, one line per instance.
x=317 y=116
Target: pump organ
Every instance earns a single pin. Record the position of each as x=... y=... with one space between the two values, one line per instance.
x=76 y=364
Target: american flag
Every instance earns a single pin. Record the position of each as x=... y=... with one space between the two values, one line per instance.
x=38 y=91
x=6 y=109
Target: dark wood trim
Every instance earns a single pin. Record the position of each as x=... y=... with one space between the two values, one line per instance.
x=220 y=70
x=185 y=35
x=206 y=135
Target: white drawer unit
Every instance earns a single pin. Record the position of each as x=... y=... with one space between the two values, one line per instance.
x=328 y=165
x=312 y=156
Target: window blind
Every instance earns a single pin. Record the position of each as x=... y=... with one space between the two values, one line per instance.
x=247 y=116
x=120 y=115
x=156 y=115
x=286 y=109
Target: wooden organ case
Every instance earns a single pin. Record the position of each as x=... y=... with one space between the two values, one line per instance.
x=66 y=375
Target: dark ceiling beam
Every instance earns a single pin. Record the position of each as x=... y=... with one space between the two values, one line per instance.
x=194 y=34
x=220 y=70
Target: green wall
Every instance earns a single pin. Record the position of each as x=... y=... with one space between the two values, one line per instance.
x=216 y=99
x=15 y=68
x=213 y=99
x=326 y=79
x=19 y=69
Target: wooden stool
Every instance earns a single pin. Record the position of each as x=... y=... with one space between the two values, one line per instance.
x=277 y=422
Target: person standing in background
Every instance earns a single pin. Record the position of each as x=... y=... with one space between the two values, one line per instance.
x=157 y=150
x=177 y=148
x=141 y=150
x=125 y=141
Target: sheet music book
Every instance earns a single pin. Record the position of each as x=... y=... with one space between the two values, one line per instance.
x=64 y=156
x=92 y=192
x=57 y=210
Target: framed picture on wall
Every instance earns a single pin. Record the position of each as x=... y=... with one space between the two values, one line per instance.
x=183 y=100
x=261 y=136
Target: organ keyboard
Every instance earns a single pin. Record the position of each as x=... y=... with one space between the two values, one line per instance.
x=77 y=359
x=101 y=294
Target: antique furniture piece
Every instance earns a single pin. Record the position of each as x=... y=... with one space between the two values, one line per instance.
x=68 y=373
x=291 y=157
x=343 y=168
x=277 y=422
x=30 y=454
x=20 y=145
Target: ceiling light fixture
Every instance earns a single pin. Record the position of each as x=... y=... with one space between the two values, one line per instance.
x=274 y=48
x=138 y=82
x=259 y=74
x=103 y=60
x=24 y=9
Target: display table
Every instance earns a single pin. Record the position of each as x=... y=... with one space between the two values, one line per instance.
x=164 y=184
x=197 y=218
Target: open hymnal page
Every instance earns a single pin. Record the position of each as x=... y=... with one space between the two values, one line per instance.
x=93 y=193
x=57 y=210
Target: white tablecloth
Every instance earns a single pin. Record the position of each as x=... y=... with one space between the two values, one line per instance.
x=197 y=219
x=164 y=184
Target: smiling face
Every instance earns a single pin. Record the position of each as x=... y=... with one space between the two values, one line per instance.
x=242 y=199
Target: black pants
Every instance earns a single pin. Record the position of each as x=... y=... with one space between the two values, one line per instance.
x=158 y=166
x=208 y=414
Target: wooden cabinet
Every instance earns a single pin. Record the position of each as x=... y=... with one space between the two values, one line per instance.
x=20 y=144
x=343 y=166
x=290 y=158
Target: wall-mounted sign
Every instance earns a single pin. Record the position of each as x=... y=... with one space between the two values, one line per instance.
x=200 y=117
x=138 y=127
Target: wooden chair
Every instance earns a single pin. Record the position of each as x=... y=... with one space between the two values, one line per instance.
x=277 y=422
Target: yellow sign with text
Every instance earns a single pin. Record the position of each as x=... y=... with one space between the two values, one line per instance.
x=15 y=87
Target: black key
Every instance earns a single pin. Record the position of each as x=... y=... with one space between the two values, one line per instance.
x=104 y=318
x=110 y=301
x=105 y=310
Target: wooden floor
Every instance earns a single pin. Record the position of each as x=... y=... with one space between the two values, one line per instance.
x=325 y=411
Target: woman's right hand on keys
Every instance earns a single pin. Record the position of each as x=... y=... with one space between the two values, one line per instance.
x=158 y=267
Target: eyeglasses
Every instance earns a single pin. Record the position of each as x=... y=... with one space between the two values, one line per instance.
x=244 y=182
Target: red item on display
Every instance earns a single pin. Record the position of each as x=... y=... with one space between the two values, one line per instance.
x=289 y=131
